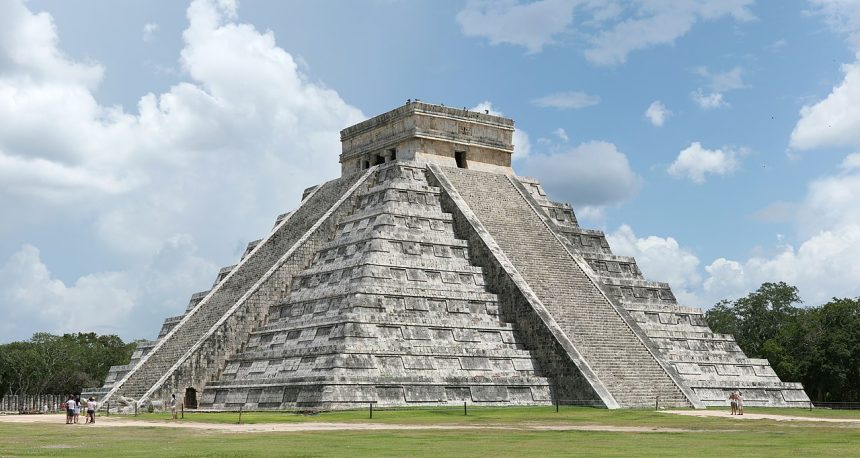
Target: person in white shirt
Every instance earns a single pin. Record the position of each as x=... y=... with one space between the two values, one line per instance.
x=740 y=403
x=70 y=410
x=173 y=406
x=91 y=411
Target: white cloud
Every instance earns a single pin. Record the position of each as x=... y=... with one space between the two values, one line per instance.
x=822 y=264
x=694 y=162
x=531 y=25
x=31 y=299
x=842 y=16
x=149 y=30
x=851 y=162
x=245 y=130
x=28 y=47
x=613 y=29
x=822 y=267
x=660 y=259
x=657 y=113
x=567 y=100
x=561 y=134
x=708 y=101
x=653 y=23
x=591 y=174
x=718 y=84
x=834 y=121
x=725 y=81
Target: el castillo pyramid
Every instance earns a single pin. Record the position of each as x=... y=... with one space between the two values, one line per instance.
x=429 y=273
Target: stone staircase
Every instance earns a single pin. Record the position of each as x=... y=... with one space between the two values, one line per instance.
x=391 y=310
x=193 y=351
x=612 y=349
x=711 y=364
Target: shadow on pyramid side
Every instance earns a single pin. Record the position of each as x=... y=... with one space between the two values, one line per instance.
x=430 y=274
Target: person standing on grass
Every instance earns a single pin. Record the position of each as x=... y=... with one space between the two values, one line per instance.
x=733 y=398
x=173 y=406
x=91 y=411
x=740 y=403
x=70 y=410
x=77 y=408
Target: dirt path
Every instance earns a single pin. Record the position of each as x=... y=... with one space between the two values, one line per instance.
x=113 y=422
x=760 y=416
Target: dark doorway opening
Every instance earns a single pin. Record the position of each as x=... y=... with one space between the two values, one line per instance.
x=190 y=398
x=460 y=157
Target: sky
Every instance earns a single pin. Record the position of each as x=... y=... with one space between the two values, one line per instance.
x=143 y=144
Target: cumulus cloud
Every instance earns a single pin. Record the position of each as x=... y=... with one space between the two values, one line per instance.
x=658 y=23
x=657 y=113
x=612 y=29
x=240 y=138
x=822 y=263
x=531 y=25
x=567 y=100
x=694 y=162
x=718 y=84
x=708 y=101
x=592 y=174
x=660 y=259
x=30 y=294
x=835 y=120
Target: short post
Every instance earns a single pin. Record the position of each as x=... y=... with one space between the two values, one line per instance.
x=465 y=409
x=657 y=403
x=371 y=410
x=240 y=414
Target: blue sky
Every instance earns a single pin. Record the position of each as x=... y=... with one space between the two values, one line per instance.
x=143 y=144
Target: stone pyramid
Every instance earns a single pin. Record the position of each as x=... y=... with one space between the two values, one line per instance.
x=429 y=273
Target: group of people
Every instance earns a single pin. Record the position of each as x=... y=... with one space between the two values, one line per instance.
x=74 y=407
x=737 y=401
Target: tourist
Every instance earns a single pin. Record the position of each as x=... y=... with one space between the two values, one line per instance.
x=734 y=401
x=77 y=408
x=91 y=410
x=70 y=409
x=173 y=406
x=740 y=403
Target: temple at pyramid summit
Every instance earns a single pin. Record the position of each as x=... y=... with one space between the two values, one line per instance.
x=430 y=273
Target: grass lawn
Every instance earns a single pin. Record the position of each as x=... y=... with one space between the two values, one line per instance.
x=712 y=436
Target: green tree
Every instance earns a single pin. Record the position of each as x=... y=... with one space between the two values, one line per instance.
x=59 y=364
x=818 y=346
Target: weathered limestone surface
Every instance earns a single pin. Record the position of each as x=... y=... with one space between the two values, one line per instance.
x=193 y=351
x=429 y=273
x=619 y=358
x=391 y=311
x=712 y=365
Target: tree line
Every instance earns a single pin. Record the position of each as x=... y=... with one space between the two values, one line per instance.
x=817 y=346
x=51 y=364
